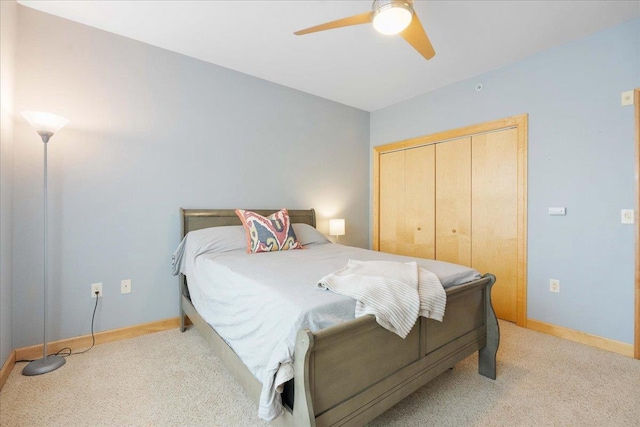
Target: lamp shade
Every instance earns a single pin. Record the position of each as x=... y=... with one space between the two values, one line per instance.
x=391 y=16
x=336 y=227
x=44 y=122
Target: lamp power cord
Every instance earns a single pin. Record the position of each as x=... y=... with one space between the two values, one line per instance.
x=66 y=351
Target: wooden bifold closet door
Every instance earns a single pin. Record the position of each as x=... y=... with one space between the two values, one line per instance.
x=407 y=181
x=494 y=198
x=453 y=201
x=456 y=201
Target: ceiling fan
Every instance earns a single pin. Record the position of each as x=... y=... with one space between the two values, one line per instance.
x=388 y=17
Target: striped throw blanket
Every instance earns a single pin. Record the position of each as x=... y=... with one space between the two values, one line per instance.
x=395 y=293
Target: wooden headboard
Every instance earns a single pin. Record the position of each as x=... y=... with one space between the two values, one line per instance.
x=195 y=219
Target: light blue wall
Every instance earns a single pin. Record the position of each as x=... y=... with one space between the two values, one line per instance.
x=581 y=155
x=152 y=131
x=8 y=17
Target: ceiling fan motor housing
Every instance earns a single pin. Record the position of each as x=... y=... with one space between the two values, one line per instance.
x=380 y=5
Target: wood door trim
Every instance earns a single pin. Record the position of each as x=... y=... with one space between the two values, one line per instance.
x=519 y=122
x=492 y=126
x=376 y=200
x=521 y=296
x=637 y=221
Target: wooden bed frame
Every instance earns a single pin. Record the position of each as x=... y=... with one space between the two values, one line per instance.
x=350 y=373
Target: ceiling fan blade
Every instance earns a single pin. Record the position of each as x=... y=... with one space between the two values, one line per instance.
x=415 y=35
x=363 y=18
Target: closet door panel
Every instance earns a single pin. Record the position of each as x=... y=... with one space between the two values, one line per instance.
x=494 y=246
x=419 y=232
x=453 y=201
x=392 y=188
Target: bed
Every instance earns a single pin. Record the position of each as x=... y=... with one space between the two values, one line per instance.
x=347 y=374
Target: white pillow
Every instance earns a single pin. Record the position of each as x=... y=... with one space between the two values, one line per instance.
x=215 y=239
x=307 y=235
x=218 y=239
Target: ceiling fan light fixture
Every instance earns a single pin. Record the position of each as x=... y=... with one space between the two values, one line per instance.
x=391 y=16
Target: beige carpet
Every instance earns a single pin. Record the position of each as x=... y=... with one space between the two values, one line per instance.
x=173 y=379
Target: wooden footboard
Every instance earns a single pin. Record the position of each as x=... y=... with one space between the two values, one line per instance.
x=351 y=373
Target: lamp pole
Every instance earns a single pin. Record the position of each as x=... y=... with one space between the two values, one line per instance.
x=45 y=124
x=45 y=139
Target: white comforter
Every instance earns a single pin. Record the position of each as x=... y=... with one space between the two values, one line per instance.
x=258 y=302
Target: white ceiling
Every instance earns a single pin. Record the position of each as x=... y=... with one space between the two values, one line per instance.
x=355 y=65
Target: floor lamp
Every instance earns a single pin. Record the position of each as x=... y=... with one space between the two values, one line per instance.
x=46 y=125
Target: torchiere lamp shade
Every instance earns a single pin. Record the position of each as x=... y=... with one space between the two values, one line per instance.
x=44 y=122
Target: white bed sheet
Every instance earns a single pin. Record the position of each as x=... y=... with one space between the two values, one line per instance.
x=258 y=302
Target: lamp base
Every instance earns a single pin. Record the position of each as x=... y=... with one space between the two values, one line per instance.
x=40 y=366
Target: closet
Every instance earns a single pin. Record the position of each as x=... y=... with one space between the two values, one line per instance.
x=459 y=197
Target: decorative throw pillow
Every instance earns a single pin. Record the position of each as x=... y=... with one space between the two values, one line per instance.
x=266 y=234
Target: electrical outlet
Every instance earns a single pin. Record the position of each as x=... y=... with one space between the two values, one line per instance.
x=96 y=287
x=554 y=285
x=125 y=286
x=626 y=216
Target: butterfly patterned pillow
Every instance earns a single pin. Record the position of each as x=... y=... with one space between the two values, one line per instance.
x=267 y=234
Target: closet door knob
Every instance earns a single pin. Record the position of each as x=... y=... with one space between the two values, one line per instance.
x=453 y=231
x=419 y=228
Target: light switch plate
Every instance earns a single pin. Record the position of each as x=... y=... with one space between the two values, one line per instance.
x=627 y=216
x=558 y=211
x=627 y=98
